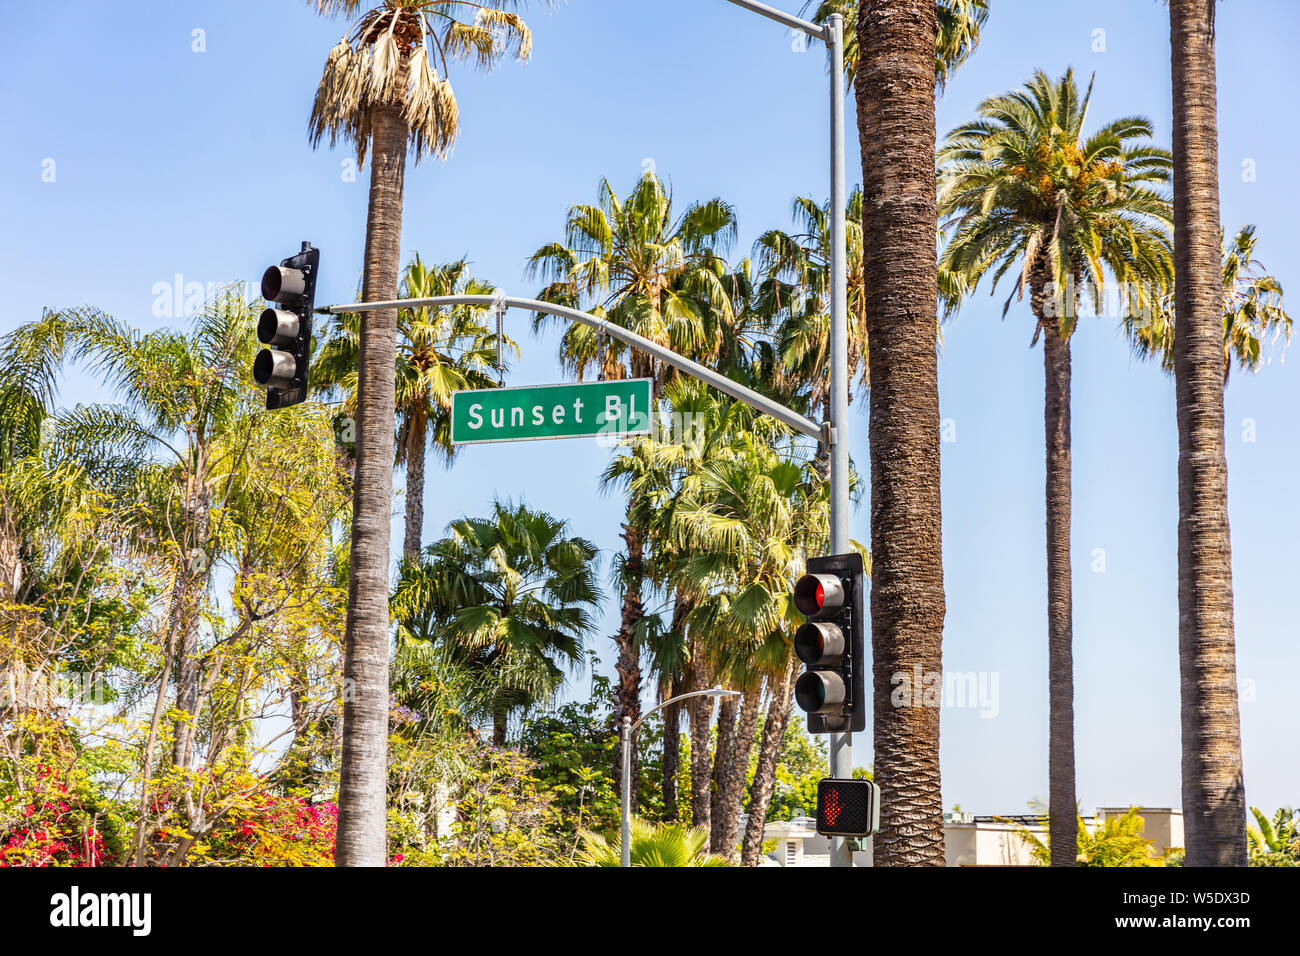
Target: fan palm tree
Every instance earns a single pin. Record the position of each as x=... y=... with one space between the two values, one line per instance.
x=959 y=26
x=385 y=90
x=1024 y=188
x=796 y=287
x=1214 y=794
x=634 y=261
x=439 y=351
x=668 y=844
x=736 y=501
x=508 y=597
x=1253 y=312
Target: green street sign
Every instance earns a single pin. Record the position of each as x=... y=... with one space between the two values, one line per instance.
x=588 y=410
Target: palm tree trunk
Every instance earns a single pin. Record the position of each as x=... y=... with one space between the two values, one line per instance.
x=700 y=712
x=722 y=757
x=415 y=458
x=731 y=785
x=500 y=723
x=361 y=836
x=672 y=751
x=1214 y=799
x=1062 y=809
x=895 y=97
x=628 y=699
x=760 y=791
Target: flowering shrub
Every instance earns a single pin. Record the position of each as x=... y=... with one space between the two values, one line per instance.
x=57 y=821
x=274 y=830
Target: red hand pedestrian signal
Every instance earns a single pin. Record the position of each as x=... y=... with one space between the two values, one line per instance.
x=847 y=807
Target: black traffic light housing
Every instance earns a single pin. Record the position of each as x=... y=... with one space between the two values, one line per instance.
x=847 y=807
x=285 y=327
x=832 y=690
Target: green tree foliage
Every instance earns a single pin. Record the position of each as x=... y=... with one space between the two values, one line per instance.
x=508 y=598
x=1254 y=315
x=1113 y=841
x=664 y=844
x=1274 y=842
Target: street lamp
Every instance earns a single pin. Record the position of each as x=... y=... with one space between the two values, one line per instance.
x=832 y=34
x=628 y=729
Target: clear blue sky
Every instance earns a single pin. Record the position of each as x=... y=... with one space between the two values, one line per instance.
x=171 y=162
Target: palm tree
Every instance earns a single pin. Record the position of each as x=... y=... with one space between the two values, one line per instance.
x=439 y=351
x=959 y=26
x=668 y=844
x=897 y=54
x=1253 y=312
x=382 y=92
x=1214 y=793
x=796 y=287
x=1022 y=187
x=736 y=504
x=636 y=263
x=507 y=597
x=895 y=81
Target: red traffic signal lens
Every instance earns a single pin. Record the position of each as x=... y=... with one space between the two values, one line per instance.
x=847 y=807
x=818 y=594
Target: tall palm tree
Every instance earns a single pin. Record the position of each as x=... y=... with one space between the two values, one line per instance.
x=439 y=351
x=383 y=92
x=636 y=262
x=508 y=597
x=959 y=25
x=1253 y=313
x=1214 y=793
x=898 y=53
x=895 y=82
x=1024 y=188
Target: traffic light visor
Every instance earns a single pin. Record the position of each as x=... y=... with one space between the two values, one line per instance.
x=282 y=284
x=819 y=642
x=277 y=327
x=275 y=369
x=819 y=692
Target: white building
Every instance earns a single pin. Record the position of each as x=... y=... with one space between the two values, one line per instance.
x=969 y=840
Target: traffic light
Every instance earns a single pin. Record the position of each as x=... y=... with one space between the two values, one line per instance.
x=848 y=808
x=290 y=292
x=833 y=688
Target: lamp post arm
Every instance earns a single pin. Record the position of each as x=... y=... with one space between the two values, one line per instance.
x=695 y=693
x=785 y=19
